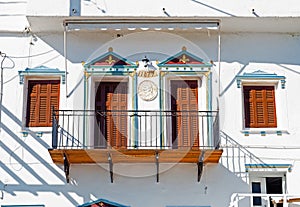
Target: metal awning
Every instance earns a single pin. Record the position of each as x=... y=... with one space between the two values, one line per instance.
x=141 y=23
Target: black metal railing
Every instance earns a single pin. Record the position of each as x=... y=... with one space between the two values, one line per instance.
x=135 y=129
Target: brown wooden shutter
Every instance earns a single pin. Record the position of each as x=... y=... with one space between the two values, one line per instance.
x=185 y=130
x=112 y=97
x=42 y=96
x=260 y=108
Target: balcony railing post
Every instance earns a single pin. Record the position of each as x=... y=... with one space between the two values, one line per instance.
x=54 y=129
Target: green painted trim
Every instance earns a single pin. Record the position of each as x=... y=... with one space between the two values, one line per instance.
x=90 y=64
x=111 y=67
x=210 y=121
x=205 y=65
x=88 y=204
x=84 y=107
x=183 y=52
x=260 y=75
x=185 y=72
x=161 y=106
x=92 y=72
x=264 y=165
x=41 y=71
x=135 y=107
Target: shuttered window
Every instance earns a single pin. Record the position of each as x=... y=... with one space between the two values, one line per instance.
x=42 y=97
x=260 y=109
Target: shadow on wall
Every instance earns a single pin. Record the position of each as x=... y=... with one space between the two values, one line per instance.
x=213 y=8
x=235 y=156
x=216 y=180
x=41 y=176
x=243 y=48
x=247 y=48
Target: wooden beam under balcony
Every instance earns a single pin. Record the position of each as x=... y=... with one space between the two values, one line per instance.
x=82 y=156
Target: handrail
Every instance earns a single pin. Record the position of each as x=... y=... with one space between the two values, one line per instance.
x=146 y=131
x=274 y=198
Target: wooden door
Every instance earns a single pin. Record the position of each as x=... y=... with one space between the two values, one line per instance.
x=111 y=106
x=184 y=103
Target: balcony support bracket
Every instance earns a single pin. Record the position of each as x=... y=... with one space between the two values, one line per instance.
x=157 y=166
x=200 y=165
x=111 y=171
x=67 y=167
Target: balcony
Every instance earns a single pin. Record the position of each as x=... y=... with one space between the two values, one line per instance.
x=262 y=199
x=135 y=137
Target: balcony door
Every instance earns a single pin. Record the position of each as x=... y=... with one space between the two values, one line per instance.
x=185 y=120
x=111 y=106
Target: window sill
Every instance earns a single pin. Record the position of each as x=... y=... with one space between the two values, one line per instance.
x=264 y=131
x=36 y=131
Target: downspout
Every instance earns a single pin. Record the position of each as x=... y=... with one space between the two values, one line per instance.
x=65 y=55
x=218 y=99
x=1 y=93
x=219 y=57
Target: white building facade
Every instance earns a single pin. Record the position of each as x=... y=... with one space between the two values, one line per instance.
x=172 y=103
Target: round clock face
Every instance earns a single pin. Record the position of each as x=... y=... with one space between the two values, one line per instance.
x=147 y=90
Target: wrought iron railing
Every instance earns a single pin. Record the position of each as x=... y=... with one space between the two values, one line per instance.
x=261 y=199
x=135 y=129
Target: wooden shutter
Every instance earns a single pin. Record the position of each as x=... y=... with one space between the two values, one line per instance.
x=112 y=97
x=185 y=125
x=42 y=96
x=260 y=108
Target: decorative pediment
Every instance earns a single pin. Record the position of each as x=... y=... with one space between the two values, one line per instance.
x=260 y=76
x=110 y=60
x=184 y=59
x=41 y=71
x=102 y=203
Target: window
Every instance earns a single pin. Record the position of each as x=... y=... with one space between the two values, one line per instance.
x=259 y=107
x=256 y=188
x=43 y=95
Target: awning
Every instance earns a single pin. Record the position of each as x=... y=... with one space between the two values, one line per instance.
x=140 y=24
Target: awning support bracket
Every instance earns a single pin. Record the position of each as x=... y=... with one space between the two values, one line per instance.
x=67 y=167
x=157 y=166
x=111 y=172
x=200 y=165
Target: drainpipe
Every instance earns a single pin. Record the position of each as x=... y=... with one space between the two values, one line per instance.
x=65 y=56
x=1 y=92
x=219 y=57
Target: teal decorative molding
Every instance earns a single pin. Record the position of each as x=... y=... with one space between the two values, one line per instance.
x=260 y=75
x=184 y=60
x=264 y=165
x=110 y=61
x=41 y=71
x=102 y=201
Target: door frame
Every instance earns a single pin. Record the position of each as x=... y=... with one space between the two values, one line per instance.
x=92 y=90
x=202 y=101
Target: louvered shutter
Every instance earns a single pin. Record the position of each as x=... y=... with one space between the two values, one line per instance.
x=260 y=108
x=114 y=127
x=42 y=96
x=185 y=132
